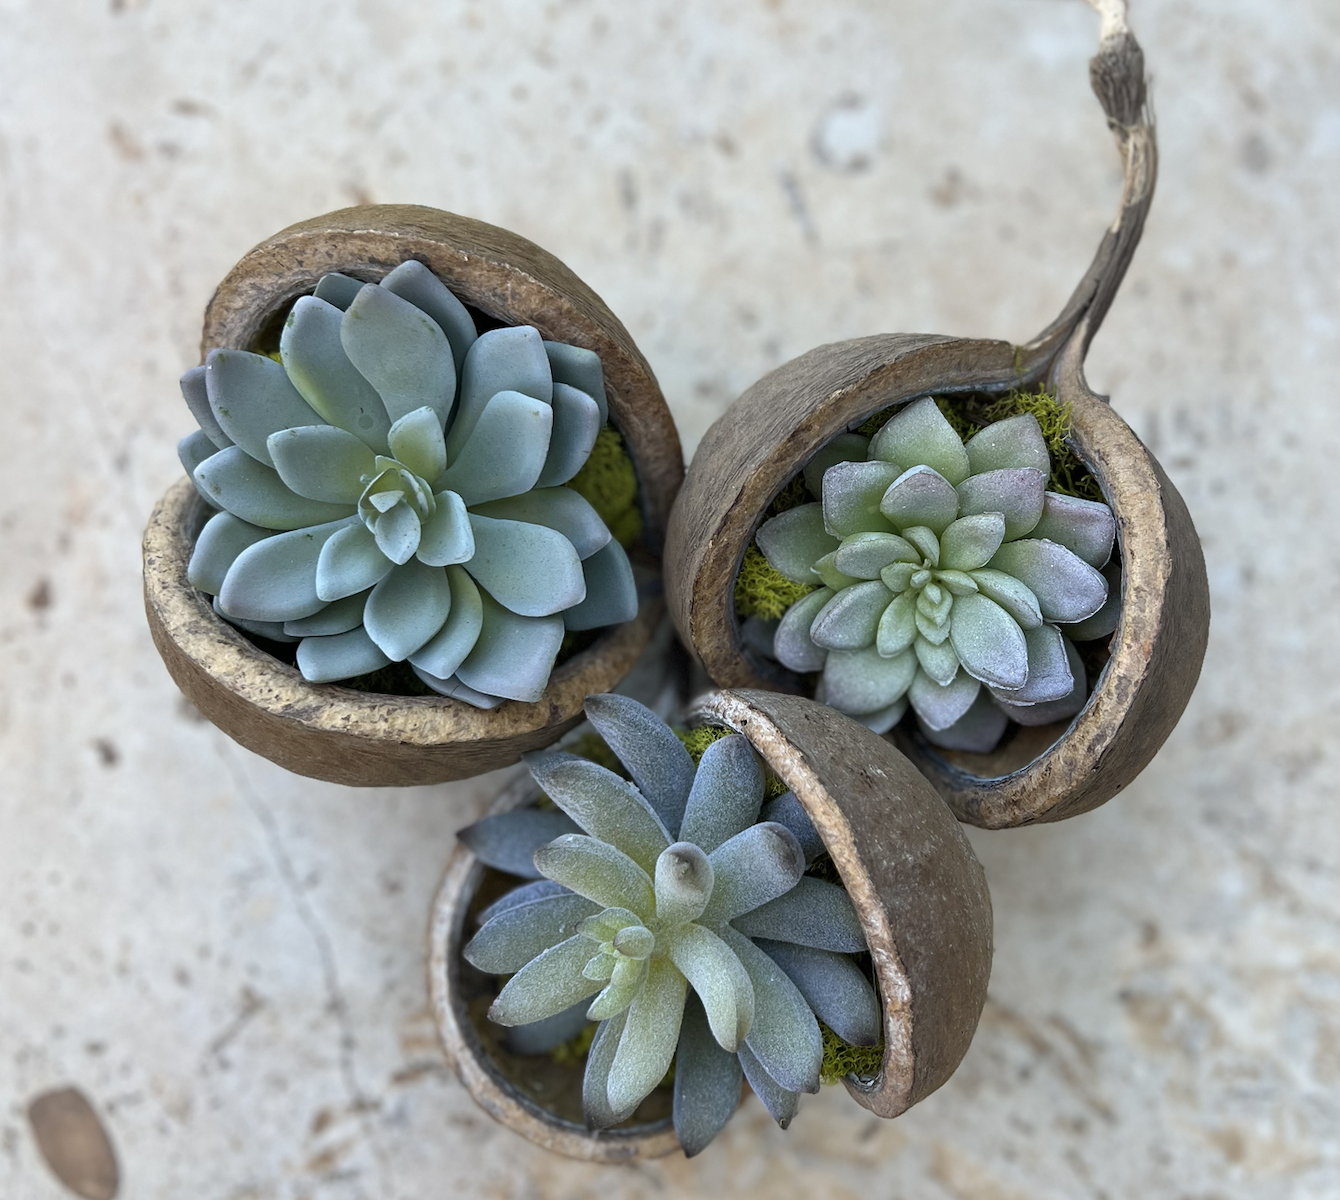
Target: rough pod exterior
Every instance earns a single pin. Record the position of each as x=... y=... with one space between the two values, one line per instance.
x=771 y=433
x=918 y=889
x=360 y=738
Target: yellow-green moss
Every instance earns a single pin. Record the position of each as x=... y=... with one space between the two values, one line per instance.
x=608 y=481
x=698 y=739
x=842 y=1058
x=762 y=591
x=1069 y=475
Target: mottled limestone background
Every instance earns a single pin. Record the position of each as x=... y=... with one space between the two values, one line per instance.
x=228 y=960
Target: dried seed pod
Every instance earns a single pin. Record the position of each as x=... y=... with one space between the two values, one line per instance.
x=773 y=431
x=917 y=888
x=362 y=738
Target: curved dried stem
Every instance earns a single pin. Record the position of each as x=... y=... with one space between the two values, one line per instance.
x=1117 y=76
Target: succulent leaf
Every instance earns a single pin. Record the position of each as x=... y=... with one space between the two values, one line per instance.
x=897 y=627
x=448 y=647
x=660 y=766
x=510 y=940
x=1084 y=527
x=989 y=643
x=780 y=1103
x=578 y=368
x=1046 y=711
x=813 y=913
x=598 y=871
x=884 y=719
x=863 y=681
x=792 y=643
x=919 y=435
x=274 y=579
x=192 y=450
x=626 y=979
x=577 y=422
x=755 y=866
x=726 y=796
x=852 y=495
x=977 y=731
x=1067 y=588
x=939 y=660
x=446 y=537
x=1105 y=620
x=611 y=591
x=940 y=706
x=414 y=282
x=457 y=690
x=339 y=656
x=398 y=530
x=968 y=543
x=505 y=452
x=794 y=540
x=846 y=447
x=501 y=360
x=787 y=810
x=1016 y=493
x=338 y=289
x=1010 y=444
x=543 y=1037
x=407 y=608
x=866 y=555
x=558 y=508
x=416 y=440
x=684 y=882
x=251 y=398
x=546 y=985
x=720 y=981
x=254 y=493
x=1014 y=597
x=222 y=539
x=707 y=1081
x=921 y=496
x=319 y=369
x=1049 y=676
x=650 y=1036
x=531 y=569
x=595 y=1082
x=508 y=841
x=273 y=630
x=350 y=562
x=513 y=655
x=321 y=462
x=337 y=617
x=833 y=987
x=526 y=893
x=195 y=392
x=850 y=620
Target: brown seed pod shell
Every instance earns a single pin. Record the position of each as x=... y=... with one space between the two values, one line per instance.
x=917 y=886
x=772 y=431
x=364 y=739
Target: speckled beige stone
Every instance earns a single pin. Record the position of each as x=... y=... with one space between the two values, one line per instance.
x=227 y=960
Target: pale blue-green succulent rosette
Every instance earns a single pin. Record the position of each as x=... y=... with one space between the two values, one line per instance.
x=392 y=490
x=949 y=578
x=675 y=911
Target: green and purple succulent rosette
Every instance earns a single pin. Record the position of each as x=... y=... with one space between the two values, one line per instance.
x=675 y=911
x=946 y=577
x=392 y=490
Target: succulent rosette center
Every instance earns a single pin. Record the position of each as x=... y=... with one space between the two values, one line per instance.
x=392 y=489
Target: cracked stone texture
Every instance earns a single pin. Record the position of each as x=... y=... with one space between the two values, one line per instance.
x=228 y=960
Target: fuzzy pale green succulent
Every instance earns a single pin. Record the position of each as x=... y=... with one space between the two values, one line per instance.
x=675 y=911
x=945 y=576
x=392 y=489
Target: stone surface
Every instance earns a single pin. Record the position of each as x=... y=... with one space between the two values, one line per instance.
x=227 y=960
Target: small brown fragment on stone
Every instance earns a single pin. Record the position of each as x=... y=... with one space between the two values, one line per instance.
x=74 y=1143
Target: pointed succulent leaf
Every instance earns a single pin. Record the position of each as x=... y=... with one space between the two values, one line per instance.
x=446 y=537
x=1085 y=527
x=414 y=282
x=1106 y=619
x=273 y=630
x=852 y=495
x=921 y=496
x=919 y=435
x=939 y=707
x=416 y=440
x=750 y=869
x=849 y=621
x=897 y=577
x=531 y=569
x=526 y=893
x=958 y=583
x=1014 y=597
x=456 y=690
x=195 y=392
x=339 y=656
x=397 y=531
x=597 y=871
x=321 y=462
x=830 y=576
x=780 y=1103
x=938 y=660
x=222 y=539
x=611 y=591
x=684 y=881
x=194 y=449
x=649 y=1038
x=863 y=681
x=558 y=508
x=884 y=719
x=505 y=452
x=927 y=628
x=543 y=1037
x=1049 y=676
x=251 y=398
x=784 y=1036
x=1047 y=711
x=635 y=941
x=926 y=541
x=720 y=981
x=989 y=642
x=866 y=555
x=579 y=368
x=1010 y=444
x=605 y=806
x=813 y=913
x=792 y=644
x=834 y=987
x=254 y=493
x=577 y=421
x=501 y=360
x=275 y=578
x=401 y=351
x=787 y=810
x=510 y=940
x=350 y=562
x=513 y=655
x=449 y=646
x=626 y=979
x=656 y=759
x=337 y=617
x=407 y=608
x=1067 y=588
x=794 y=540
x=977 y=731
x=319 y=369
x=968 y=543
x=595 y=1080
x=508 y=841
x=338 y=289
x=546 y=985
x=707 y=1081
x=604 y=925
x=897 y=627
x=1015 y=493
x=846 y=447
x=727 y=794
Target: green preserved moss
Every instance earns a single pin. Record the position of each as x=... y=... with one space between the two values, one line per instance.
x=761 y=591
x=842 y=1058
